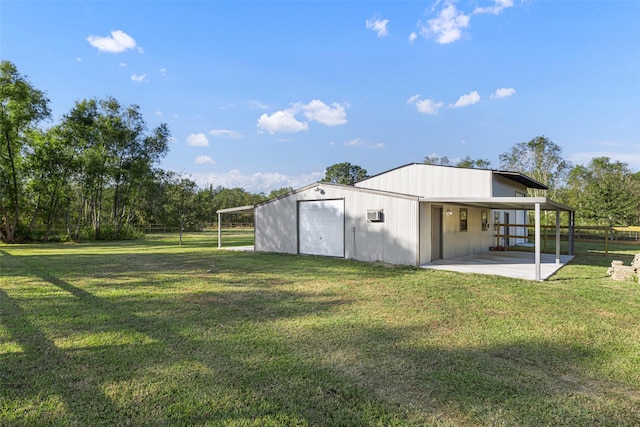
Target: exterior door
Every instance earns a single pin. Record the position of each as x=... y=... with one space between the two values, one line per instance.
x=321 y=227
x=436 y=233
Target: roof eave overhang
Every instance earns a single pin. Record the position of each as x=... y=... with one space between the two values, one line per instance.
x=239 y=209
x=521 y=179
x=506 y=203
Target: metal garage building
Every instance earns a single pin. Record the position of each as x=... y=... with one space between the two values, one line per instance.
x=414 y=215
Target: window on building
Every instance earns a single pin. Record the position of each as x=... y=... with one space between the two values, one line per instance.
x=484 y=217
x=463 y=219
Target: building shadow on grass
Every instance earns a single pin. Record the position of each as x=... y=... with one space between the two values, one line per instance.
x=529 y=382
x=79 y=383
x=44 y=371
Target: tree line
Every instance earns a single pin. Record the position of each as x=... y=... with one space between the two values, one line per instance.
x=95 y=175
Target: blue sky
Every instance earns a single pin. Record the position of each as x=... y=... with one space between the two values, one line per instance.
x=263 y=95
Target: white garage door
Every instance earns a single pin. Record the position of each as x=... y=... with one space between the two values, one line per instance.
x=321 y=227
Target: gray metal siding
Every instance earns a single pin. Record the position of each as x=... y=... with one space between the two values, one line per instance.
x=455 y=243
x=503 y=187
x=276 y=226
x=394 y=240
x=462 y=243
x=433 y=181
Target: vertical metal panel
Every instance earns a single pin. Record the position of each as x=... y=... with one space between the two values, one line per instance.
x=503 y=187
x=275 y=226
x=433 y=181
x=394 y=240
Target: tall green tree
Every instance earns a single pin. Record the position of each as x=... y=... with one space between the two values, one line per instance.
x=181 y=197
x=132 y=154
x=605 y=192
x=470 y=163
x=467 y=162
x=541 y=159
x=116 y=153
x=49 y=163
x=21 y=108
x=81 y=128
x=344 y=173
x=279 y=192
x=437 y=160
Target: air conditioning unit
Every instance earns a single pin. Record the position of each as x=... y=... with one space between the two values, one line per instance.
x=375 y=215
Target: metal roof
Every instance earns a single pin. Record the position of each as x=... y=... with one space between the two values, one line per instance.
x=239 y=209
x=521 y=179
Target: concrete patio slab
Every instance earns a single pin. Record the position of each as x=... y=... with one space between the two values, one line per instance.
x=238 y=248
x=519 y=265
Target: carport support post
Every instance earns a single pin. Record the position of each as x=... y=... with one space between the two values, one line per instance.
x=557 y=237
x=219 y=230
x=572 y=220
x=537 y=234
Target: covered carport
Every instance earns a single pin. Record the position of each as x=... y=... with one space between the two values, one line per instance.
x=249 y=209
x=536 y=204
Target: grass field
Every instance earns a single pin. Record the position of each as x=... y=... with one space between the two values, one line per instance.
x=151 y=333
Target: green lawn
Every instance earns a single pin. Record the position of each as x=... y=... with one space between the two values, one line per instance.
x=151 y=333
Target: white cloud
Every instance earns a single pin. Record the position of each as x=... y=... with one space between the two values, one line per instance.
x=412 y=37
x=425 y=106
x=118 y=42
x=163 y=71
x=497 y=7
x=354 y=142
x=197 y=140
x=200 y=160
x=359 y=142
x=320 y=112
x=259 y=182
x=139 y=78
x=448 y=26
x=413 y=99
x=225 y=133
x=316 y=110
x=428 y=106
x=468 y=99
x=122 y=64
x=503 y=92
x=379 y=26
x=257 y=105
x=281 y=121
x=159 y=113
